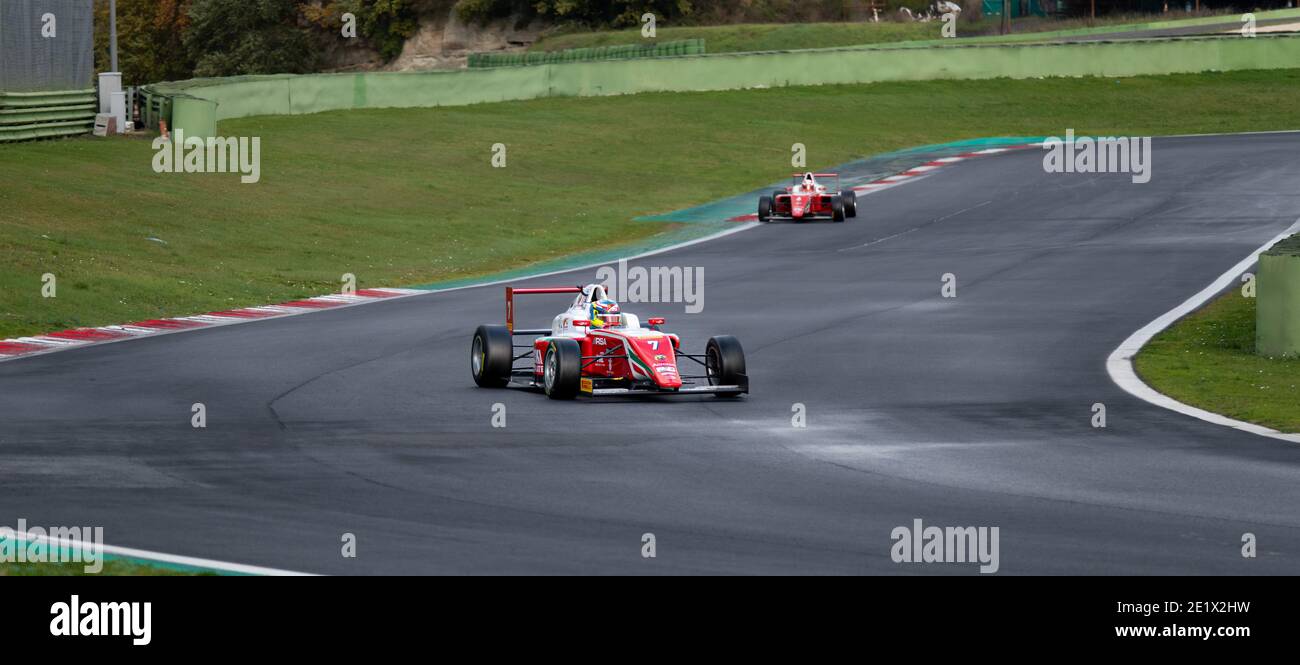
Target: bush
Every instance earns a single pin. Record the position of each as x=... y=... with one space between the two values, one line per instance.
x=600 y=14
x=591 y=13
x=386 y=24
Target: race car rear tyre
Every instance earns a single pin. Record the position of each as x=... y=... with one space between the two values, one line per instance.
x=491 y=356
x=724 y=362
x=837 y=209
x=764 y=208
x=850 y=199
x=562 y=369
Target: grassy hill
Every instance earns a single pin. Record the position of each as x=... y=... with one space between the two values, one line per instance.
x=784 y=36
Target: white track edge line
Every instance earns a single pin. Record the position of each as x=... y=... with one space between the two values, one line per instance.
x=193 y=562
x=1120 y=363
x=139 y=333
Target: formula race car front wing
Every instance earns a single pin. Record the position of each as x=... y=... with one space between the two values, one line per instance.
x=522 y=376
x=684 y=390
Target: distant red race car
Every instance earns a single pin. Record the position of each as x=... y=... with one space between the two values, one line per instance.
x=593 y=348
x=807 y=199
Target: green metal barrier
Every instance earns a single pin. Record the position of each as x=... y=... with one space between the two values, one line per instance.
x=156 y=107
x=34 y=115
x=288 y=94
x=587 y=54
x=1277 y=314
x=196 y=117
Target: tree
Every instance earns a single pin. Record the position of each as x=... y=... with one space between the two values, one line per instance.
x=149 y=36
x=232 y=37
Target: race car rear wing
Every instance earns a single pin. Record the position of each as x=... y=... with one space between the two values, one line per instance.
x=511 y=292
x=798 y=176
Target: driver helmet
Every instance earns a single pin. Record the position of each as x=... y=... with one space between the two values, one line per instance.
x=600 y=309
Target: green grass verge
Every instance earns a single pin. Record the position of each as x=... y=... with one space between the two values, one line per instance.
x=409 y=196
x=1208 y=360
x=112 y=567
x=755 y=36
x=786 y=36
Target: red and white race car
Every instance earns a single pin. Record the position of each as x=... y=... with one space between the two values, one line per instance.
x=593 y=348
x=806 y=199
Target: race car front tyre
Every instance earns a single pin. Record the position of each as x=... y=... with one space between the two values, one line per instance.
x=850 y=199
x=724 y=362
x=837 y=209
x=562 y=369
x=764 y=208
x=491 y=356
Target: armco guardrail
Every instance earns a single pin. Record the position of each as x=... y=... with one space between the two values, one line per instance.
x=287 y=94
x=587 y=54
x=33 y=115
x=1277 y=317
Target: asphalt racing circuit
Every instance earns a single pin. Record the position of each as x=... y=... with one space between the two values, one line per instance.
x=966 y=411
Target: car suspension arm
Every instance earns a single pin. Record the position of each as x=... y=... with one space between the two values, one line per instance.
x=591 y=360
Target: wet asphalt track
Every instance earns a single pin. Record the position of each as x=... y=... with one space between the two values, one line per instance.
x=967 y=411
